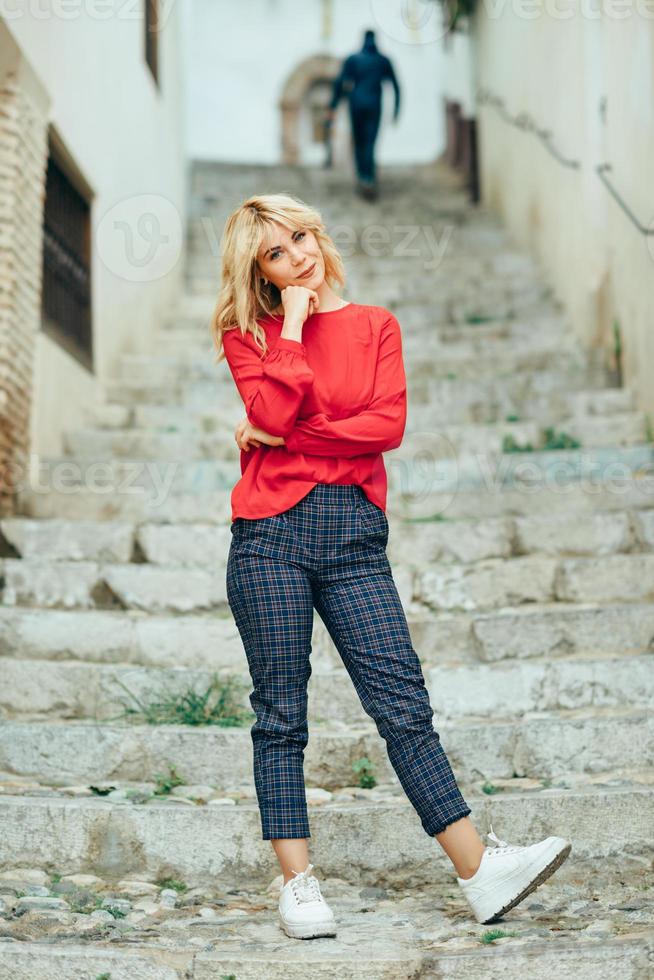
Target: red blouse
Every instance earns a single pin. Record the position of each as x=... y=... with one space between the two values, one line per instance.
x=338 y=398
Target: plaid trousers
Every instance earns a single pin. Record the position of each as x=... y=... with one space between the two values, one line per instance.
x=328 y=551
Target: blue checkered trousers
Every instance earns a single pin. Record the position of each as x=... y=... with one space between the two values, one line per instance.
x=328 y=551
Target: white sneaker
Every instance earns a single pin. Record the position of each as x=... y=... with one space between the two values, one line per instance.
x=508 y=873
x=303 y=912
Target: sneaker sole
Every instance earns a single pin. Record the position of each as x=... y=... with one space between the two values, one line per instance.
x=542 y=876
x=313 y=931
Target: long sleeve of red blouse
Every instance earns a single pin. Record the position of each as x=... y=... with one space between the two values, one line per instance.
x=272 y=389
x=379 y=428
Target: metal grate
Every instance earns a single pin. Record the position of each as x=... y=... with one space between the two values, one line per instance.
x=66 y=296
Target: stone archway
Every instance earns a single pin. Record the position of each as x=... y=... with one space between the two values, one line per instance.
x=310 y=72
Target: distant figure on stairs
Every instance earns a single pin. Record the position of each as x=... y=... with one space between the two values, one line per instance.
x=361 y=79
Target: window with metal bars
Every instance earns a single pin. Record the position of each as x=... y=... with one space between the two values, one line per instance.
x=66 y=293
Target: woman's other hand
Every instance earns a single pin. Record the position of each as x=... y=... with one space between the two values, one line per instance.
x=248 y=435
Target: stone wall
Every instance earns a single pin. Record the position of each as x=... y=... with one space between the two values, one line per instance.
x=23 y=159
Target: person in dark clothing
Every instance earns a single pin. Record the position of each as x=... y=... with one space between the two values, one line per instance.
x=361 y=79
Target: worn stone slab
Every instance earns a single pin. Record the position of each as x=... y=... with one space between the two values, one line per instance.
x=592 y=534
x=561 y=630
x=494 y=582
x=373 y=843
x=211 y=640
x=487 y=584
x=69 y=540
x=413 y=543
x=213 y=506
x=461 y=539
x=620 y=578
x=506 y=689
x=360 y=952
x=33 y=961
x=510 y=688
x=533 y=471
x=537 y=747
x=63 y=584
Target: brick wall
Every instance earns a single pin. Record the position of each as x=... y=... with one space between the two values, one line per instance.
x=23 y=157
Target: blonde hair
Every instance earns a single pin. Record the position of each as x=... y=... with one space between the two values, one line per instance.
x=243 y=297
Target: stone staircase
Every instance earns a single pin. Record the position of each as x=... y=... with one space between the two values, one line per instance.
x=131 y=849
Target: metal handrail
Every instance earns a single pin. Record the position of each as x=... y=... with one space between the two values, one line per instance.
x=525 y=122
x=643 y=229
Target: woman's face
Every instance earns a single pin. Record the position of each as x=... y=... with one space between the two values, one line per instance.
x=287 y=254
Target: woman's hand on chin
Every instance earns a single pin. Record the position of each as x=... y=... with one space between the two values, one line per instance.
x=248 y=435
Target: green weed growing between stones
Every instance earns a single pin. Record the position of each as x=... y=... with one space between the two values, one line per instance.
x=551 y=440
x=84 y=904
x=478 y=318
x=364 y=769
x=164 y=784
x=560 y=440
x=116 y=912
x=489 y=788
x=174 y=883
x=509 y=445
x=217 y=705
x=491 y=934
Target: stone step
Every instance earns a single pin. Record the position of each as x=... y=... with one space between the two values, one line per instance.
x=433 y=470
x=190 y=329
x=77 y=754
x=113 y=585
x=616 y=430
x=512 y=392
x=410 y=542
x=211 y=641
x=462 y=400
x=582 y=922
x=457 y=269
x=588 y=495
x=455 y=306
x=472 y=294
x=489 y=583
x=454 y=403
x=162 y=371
x=494 y=582
x=420 y=477
x=40 y=689
x=376 y=843
x=72 y=540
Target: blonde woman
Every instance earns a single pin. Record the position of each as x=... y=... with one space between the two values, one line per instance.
x=323 y=384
